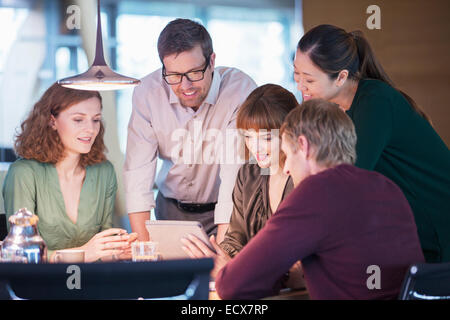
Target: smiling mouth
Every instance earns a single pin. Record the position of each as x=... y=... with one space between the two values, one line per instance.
x=189 y=93
x=85 y=140
x=261 y=157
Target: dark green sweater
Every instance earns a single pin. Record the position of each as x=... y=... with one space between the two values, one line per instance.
x=396 y=141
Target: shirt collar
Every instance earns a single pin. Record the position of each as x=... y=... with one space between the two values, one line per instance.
x=213 y=93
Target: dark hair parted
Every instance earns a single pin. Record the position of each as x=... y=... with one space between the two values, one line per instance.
x=182 y=35
x=265 y=109
x=333 y=49
x=37 y=139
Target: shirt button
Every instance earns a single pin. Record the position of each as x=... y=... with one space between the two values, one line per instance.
x=190 y=184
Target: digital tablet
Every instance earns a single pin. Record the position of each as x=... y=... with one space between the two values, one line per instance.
x=168 y=234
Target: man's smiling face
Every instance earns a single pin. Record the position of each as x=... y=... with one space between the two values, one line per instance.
x=191 y=94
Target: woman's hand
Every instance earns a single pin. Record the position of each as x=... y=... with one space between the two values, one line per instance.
x=126 y=254
x=197 y=249
x=108 y=245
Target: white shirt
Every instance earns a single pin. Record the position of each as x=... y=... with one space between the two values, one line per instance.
x=183 y=138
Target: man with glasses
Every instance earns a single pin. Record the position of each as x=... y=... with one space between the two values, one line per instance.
x=182 y=114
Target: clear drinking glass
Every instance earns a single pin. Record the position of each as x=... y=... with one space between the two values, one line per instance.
x=144 y=251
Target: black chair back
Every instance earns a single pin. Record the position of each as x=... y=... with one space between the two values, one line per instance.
x=426 y=281
x=171 y=279
x=3 y=227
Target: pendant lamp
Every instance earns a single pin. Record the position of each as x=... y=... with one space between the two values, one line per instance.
x=99 y=76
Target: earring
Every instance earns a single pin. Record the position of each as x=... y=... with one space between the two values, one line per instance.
x=52 y=124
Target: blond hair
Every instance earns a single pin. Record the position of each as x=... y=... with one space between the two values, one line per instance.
x=328 y=130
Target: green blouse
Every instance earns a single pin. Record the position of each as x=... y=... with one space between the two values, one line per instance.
x=396 y=141
x=35 y=185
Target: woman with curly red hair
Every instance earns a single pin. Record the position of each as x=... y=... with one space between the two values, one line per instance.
x=63 y=177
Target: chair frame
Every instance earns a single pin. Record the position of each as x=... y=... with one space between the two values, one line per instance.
x=411 y=289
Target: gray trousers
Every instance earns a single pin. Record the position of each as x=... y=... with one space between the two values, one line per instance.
x=168 y=210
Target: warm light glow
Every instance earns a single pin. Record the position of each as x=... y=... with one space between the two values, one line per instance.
x=99 y=86
x=90 y=80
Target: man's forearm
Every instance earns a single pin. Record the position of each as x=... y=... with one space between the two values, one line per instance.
x=137 y=222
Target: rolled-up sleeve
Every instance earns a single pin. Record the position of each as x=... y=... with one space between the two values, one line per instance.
x=229 y=168
x=238 y=88
x=236 y=237
x=140 y=164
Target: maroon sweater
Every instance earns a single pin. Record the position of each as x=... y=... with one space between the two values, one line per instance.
x=338 y=222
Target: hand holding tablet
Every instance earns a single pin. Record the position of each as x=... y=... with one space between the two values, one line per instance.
x=196 y=249
x=169 y=233
x=185 y=239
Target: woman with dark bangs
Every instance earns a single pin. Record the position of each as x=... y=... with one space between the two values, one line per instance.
x=63 y=177
x=261 y=185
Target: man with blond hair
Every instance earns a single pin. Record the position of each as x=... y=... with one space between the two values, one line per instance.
x=352 y=229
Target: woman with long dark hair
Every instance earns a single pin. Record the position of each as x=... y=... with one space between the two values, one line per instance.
x=395 y=137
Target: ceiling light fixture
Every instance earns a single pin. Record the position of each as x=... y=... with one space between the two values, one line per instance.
x=99 y=76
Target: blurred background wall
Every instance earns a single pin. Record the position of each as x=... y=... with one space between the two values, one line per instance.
x=42 y=41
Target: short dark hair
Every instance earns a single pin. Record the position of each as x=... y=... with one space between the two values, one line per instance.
x=182 y=35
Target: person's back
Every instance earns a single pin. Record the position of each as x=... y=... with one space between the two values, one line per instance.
x=352 y=229
x=370 y=239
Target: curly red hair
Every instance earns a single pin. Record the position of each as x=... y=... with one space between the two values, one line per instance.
x=38 y=141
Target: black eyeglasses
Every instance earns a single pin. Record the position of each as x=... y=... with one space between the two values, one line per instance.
x=176 y=78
